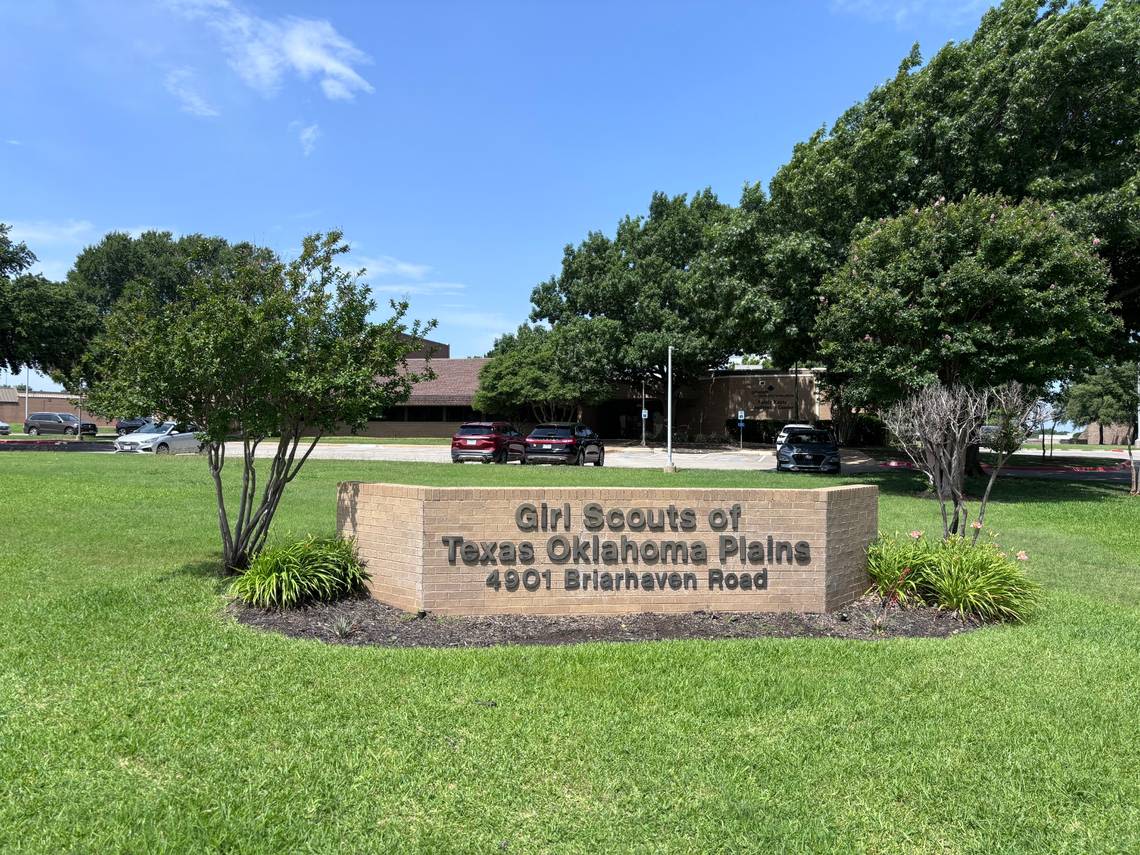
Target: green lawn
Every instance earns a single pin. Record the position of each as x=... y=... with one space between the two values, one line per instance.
x=135 y=717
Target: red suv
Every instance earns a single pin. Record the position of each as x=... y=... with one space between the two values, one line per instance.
x=488 y=442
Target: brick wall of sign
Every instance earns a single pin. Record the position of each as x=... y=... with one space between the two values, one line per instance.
x=610 y=550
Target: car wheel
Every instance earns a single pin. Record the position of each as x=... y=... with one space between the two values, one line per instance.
x=601 y=461
x=68 y=431
x=33 y=431
x=162 y=449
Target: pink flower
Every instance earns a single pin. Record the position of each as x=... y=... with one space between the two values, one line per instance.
x=976 y=524
x=1096 y=241
x=946 y=337
x=1023 y=555
x=916 y=534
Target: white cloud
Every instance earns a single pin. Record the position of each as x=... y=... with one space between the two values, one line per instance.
x=420 y=288
x=55 y=243
x=38 y=232
x=307 y=135
x=386 y=265
x=262 y=51
x=13 y=142
x=905 y=11
x=180 y=84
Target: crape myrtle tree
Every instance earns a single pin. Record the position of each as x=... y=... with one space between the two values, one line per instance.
x=1043 y=101
x=973 y=293
x=549 y=373
x=938 y=424
x=643 y=290
x=255 y=350
x=43 y=324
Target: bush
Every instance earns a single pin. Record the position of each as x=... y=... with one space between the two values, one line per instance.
x=316 y=569
x=978 y=580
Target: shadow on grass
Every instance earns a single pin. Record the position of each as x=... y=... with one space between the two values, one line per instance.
x=1046 y=490
x=211 y=570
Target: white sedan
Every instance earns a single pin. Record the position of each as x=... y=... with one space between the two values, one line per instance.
x=164 y=438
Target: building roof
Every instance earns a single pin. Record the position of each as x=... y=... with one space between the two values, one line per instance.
x=434 y=349
x=454 y=385
x=8 y=395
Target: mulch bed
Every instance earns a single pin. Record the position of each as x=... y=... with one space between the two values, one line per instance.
x=363 y=621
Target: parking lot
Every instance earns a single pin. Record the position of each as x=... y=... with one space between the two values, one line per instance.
x=622 y=457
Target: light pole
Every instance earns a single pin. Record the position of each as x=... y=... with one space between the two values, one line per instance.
x=27 y=389
x=1136 y=462
x=643 y=412
x=669 y=467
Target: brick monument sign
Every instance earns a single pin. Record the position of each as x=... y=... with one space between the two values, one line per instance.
x=584 y=550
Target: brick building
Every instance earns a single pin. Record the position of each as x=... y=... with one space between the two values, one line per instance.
x=14 y=403
x=438 y=406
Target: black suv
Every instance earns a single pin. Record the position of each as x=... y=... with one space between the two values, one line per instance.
x=565 y=442
x=808 y=450
x=125 y=426
x=65 y=423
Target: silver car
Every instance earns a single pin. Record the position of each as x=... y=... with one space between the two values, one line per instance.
x=164 y=438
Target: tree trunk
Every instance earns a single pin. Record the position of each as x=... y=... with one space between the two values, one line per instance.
x=974 y=462
x=246 y=534
x=1100 y=427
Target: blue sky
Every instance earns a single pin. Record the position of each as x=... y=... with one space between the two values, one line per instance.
x=460 y=146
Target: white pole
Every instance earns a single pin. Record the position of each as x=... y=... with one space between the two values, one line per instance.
x=669 y=414
x=27 y=389
x=1136 y=462
x=643 y=412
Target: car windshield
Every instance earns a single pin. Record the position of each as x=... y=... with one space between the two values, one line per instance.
x=551 y=432
x=153 y=428
x=68 y=417
x=809 y=437
x=475 y=430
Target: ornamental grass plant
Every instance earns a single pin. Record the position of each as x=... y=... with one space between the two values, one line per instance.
x=315 y=569
x=981 y=581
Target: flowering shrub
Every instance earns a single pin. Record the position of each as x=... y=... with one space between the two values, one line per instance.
x=979 y=580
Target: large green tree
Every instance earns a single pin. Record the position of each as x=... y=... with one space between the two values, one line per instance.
x=642 y=291
x=43 y=324
x=549 y=374
x=154 y=261
x=1106 y=395
x=1109 y=395
x=255 y=350
x=1043 y=101
x=974 y=293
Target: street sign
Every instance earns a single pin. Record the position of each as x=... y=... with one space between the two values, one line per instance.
x=644 y=415
x=740 y=424
x=740 y=415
